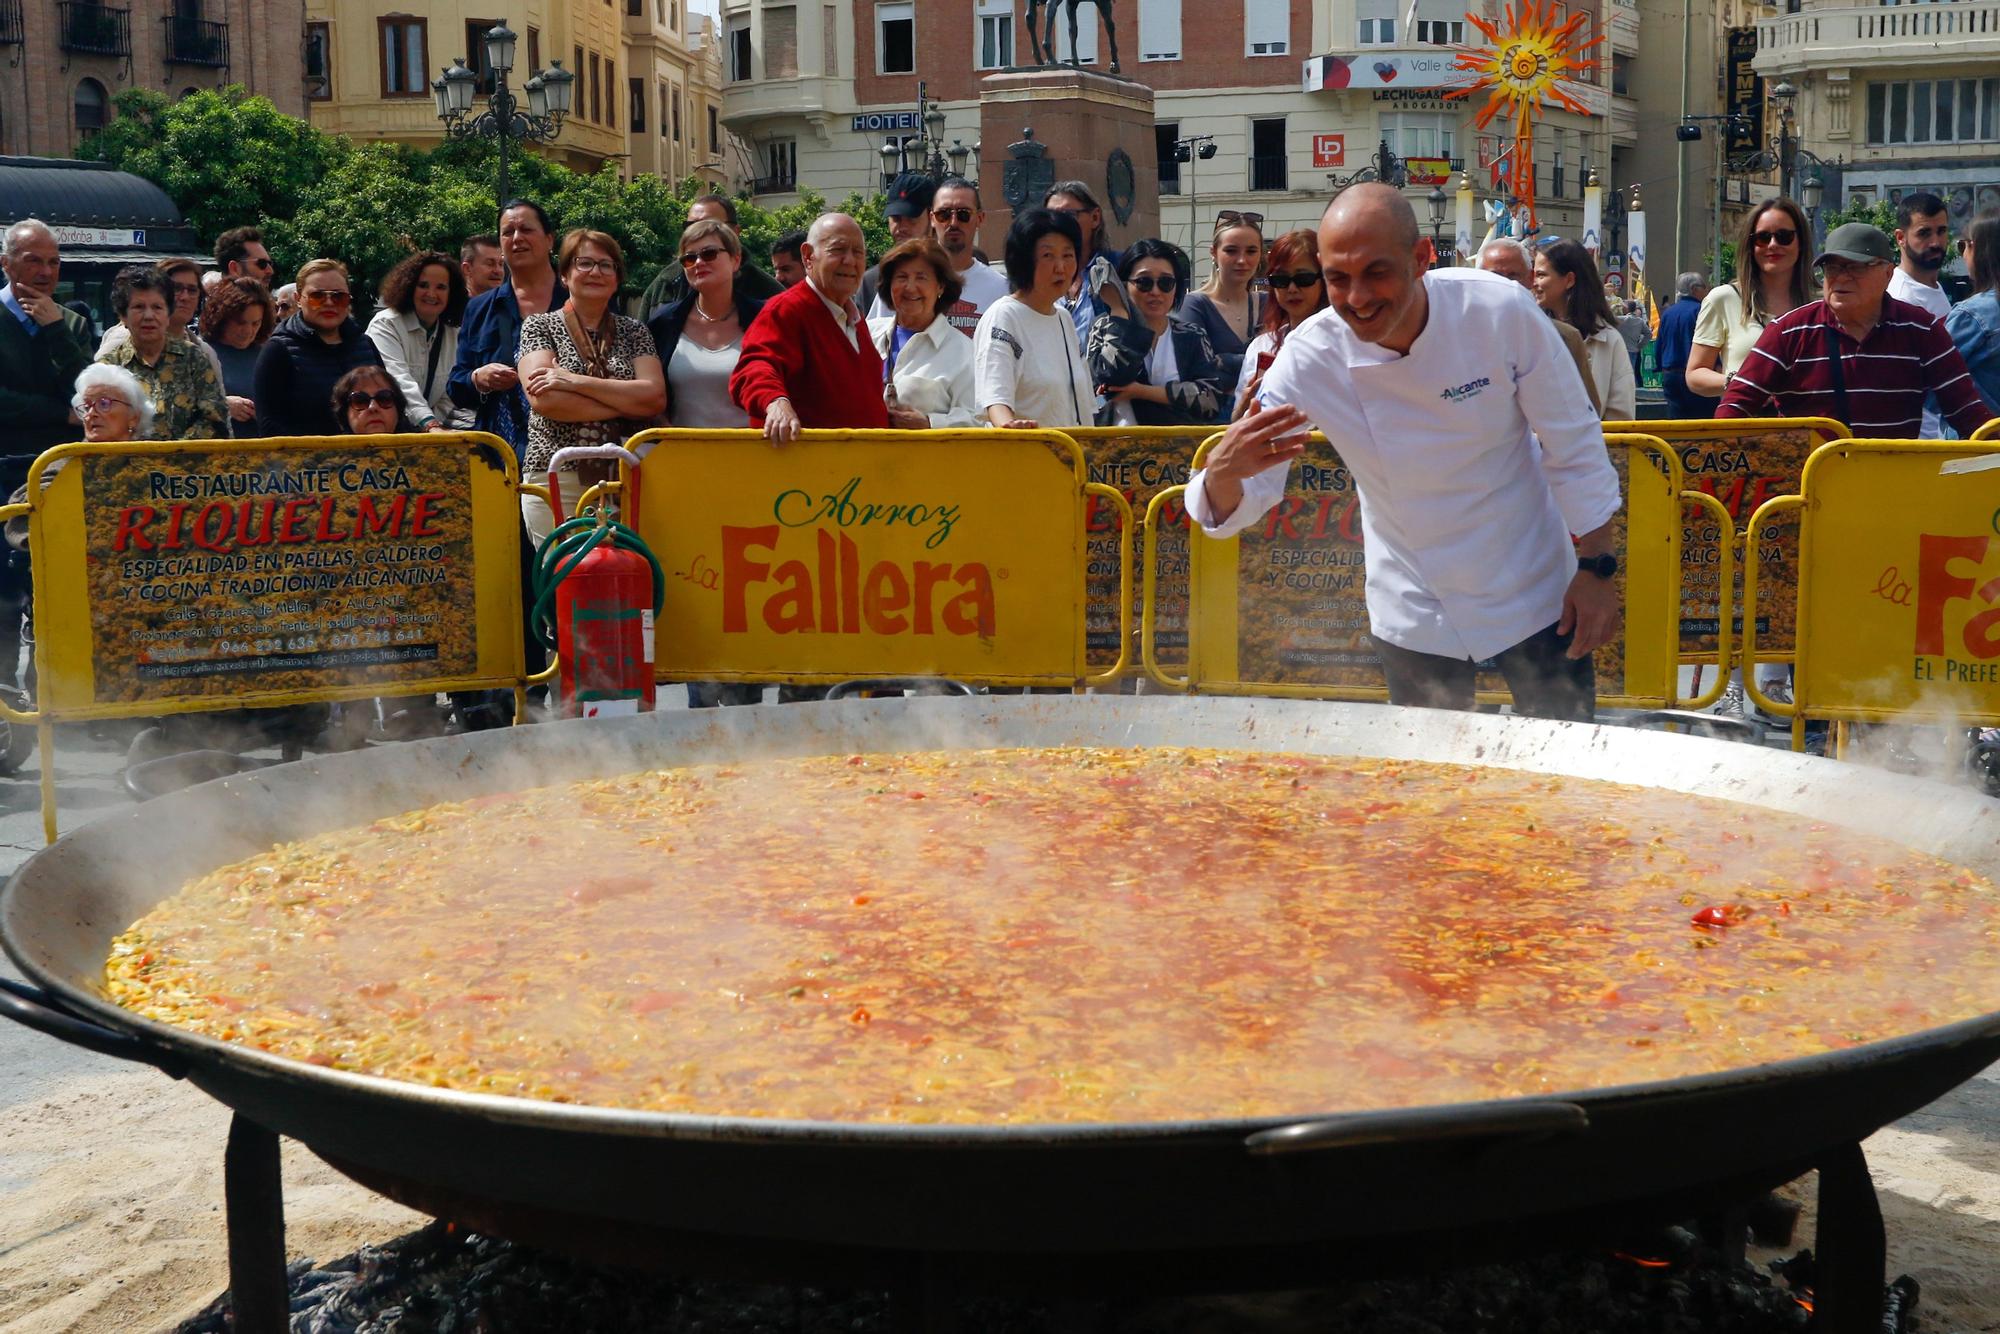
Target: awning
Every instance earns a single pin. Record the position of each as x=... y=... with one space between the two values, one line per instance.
x=96 y=211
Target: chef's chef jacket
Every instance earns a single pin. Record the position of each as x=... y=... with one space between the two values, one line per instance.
x=1465 y=515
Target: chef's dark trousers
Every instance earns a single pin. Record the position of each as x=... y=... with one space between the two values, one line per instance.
x=1546 y=683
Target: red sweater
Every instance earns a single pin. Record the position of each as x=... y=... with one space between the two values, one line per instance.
x=795 y=349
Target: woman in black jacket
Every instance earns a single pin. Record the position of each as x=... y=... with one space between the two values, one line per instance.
x=712 y=318
x=309 y=352
x=1153 y=367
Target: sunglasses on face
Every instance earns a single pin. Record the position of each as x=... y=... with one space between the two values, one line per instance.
x=358 y=399
x=1229 y=217
x=327 y=298
x=1304 y=279
x=952 y=214
x=706 y=255
x=1146 y=282
x=105 y=403
x=262 y=265
x=1779 y=236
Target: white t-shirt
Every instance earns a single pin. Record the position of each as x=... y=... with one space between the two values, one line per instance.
x=984 y=285
x=1030 y=363
x=1477 y=454
x=1905 y=288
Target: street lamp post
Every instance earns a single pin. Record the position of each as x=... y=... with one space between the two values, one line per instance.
x=1194 y=148
x=1436 y=200
x=549 y=94
x=1384 y=166
x=924 y=150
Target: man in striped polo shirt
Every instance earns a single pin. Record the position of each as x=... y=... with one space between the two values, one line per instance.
x=1859 y=355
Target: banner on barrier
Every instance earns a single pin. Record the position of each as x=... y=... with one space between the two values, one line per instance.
x=1138 y=462
x=1742 y=463
x=1284 y=604
x=1899 y=609
x=852 y=554
x=208 y=574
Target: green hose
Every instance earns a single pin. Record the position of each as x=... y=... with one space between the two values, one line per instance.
x=563 y=550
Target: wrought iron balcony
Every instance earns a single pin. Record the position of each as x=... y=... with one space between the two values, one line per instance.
x=94 y=30
x=10 y=23
x=197 y=42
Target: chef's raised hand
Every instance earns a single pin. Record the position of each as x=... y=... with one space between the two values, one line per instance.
x=1261 y=438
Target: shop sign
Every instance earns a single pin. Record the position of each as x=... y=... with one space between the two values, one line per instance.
x=1329 y=150
x=1745 y=92
x=99 y=236
x=875 y=122
x=1388 y=69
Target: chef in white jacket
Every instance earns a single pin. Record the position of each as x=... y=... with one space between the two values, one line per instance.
x=1459 y=413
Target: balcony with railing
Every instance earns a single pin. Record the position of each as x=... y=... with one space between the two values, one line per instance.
x=94 y=30
x=1268 y=172
x=12 y=29
x=1955 y=31
x=197 y=42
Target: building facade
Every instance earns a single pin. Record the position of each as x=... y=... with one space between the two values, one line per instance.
x=673 y=107
x=65 y=61
x=369 y=67
x=1296 y=95
x=1894 y=98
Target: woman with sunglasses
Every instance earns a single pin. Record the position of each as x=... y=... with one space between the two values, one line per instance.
x=1776 y=280
x=368 y=401
x=1297 y=292
x=1171 y=376
x=700 y=336
x=310 y=351
x=1974 y=323
x=1228 y=307
x=592 y=376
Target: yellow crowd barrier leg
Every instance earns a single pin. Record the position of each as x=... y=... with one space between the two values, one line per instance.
x=45 y=737
x=1125 y=525
x=1795 y=711
x=1148 y=618
x=1726 y=598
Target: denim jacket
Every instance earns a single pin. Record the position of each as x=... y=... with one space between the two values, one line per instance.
x=1974 y=324
x=490 y=332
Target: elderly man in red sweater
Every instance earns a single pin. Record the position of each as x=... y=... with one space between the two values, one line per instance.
x=808 y=359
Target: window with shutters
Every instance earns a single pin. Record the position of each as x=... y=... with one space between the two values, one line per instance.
x=1376 y=32
x=781 y=156
x=319 y=62
x=677 y=115
x=610 y=92
x=739 y=49
x=993 y=43
x=596 y=84
x=1267 y=27
x=714 y=130
x=1267 y=154
x=896 y=38
x=1159 y=30
x=1440 y=32
x=781 y=42
x=1166 y=141
x=535 y=50
x=663 y=102
x=829 y=23
x=638 y=98
x=475 y=53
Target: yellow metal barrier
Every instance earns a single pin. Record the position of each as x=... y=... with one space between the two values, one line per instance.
x=1281 y=609
x=186 y=576
x=855 y=554
x=1898 y=604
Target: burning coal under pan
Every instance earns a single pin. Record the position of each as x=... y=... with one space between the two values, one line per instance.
x=1220 y=1205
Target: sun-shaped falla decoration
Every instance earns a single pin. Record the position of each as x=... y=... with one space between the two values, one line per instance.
x=1534 y=54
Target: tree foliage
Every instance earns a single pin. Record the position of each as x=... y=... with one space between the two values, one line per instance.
x=1882 y=215
x=228 y=158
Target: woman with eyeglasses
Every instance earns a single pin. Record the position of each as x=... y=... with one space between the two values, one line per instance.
x=1567 y=287
x=1774 y=280
x=112 y=405
x=1168 y=374
x=700 y=337
x=592 y=376
x=1974 y=323
x=1297 y=292
x=1227 y=306
x=310 y=352
x=416 y=331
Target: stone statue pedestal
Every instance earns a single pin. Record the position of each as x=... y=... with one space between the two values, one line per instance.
x=1091 y=127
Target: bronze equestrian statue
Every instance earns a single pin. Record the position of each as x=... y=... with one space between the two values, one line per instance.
x=1044 y=40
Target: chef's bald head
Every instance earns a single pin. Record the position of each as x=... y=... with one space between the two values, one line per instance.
x=1378 y=210
x=1373 y=260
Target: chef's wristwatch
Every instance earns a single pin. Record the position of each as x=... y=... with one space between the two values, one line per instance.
x=1602 y=566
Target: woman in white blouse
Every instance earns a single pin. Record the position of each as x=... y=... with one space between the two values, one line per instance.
x=926 y=361
x=416 y=331
x=1567 y=286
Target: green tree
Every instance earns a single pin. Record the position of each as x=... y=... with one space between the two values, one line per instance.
x=1882 y=215
x=227 y=158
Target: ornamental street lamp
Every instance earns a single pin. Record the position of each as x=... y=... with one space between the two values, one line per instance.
x=549 y=94
x=1384 y=166
x=925 y=150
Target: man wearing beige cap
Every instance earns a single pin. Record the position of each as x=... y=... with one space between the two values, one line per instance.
x=1857 y=355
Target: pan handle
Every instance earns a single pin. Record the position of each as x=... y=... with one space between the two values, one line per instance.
x=1521 y=1120
x=43 y=1013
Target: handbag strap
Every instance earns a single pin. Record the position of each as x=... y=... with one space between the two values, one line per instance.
x=1840 y=409
x=437 y=351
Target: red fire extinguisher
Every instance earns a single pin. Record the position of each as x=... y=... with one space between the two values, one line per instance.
x=597 y=592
